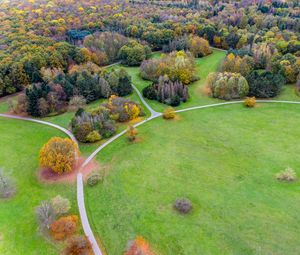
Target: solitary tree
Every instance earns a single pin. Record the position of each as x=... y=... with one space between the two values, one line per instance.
x=59 y=154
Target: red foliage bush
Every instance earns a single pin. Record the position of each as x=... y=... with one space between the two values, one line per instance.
x=139 y=247
x=64 y=227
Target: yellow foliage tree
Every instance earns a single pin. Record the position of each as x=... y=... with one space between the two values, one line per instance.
x=59 y=154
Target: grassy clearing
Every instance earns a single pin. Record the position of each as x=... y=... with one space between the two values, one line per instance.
x=222 y=159
x=20 y=145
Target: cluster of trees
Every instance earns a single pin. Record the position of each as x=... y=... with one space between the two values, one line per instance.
x=83 y=84
x=21 y=62
x=198 y=46
x=54 y=220
x=265 y=67
x=167 y=92
x=228 y=85
x=178 y=66
x=104 y=47
x=133 y=53
x=92 y=126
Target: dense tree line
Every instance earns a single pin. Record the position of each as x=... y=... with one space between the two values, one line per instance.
x=37 y=34
x=48 y=97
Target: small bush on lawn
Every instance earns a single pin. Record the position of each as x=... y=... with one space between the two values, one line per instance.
x=45 y=215
x=183 y=206
x=288 y=175
x=94 y=179
x=139 y=246
x=131 y=133
x=78 y=245
x=7 y=187
x=60 y=205
x=169 y=113
x=250 y=102
x=64 y=227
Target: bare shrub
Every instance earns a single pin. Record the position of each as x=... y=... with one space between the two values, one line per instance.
x=7 y=187
x=45 y=215
x=288 y=175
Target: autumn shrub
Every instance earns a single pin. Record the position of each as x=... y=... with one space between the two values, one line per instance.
x=227 y=85
x=59 y=155
x=78 y=245
x=167 y=92
x=250 y=102
x=183 y=205
x=94 y=136
x=199 y=47
x=82 y=131
x=7 y=187
x=94 y=178
x=45 y=215
x=178 y=66
x=288 y=175
x=64 y=227
x=123 y=109
x=60 y=205
x=139 y=246
x=287 y=65
x=131 y=133
x=169 y=113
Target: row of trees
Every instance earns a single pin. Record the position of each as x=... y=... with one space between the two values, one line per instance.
x=167 y=92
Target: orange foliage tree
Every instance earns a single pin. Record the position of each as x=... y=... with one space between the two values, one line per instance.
x=64 y=227
x=139 y=247
x=59 y=154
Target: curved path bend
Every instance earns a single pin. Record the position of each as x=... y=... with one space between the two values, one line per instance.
x=80 y=189
x=64 y=130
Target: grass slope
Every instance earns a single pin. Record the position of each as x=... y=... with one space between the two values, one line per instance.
x=224 y=160
x=20 y=145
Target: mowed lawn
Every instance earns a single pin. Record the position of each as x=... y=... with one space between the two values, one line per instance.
x=20 y=145
x=224 y=160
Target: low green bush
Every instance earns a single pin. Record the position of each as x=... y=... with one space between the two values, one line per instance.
x=94 y=179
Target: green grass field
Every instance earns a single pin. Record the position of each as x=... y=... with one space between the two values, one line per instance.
x=20 y=145
x=224 y=160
